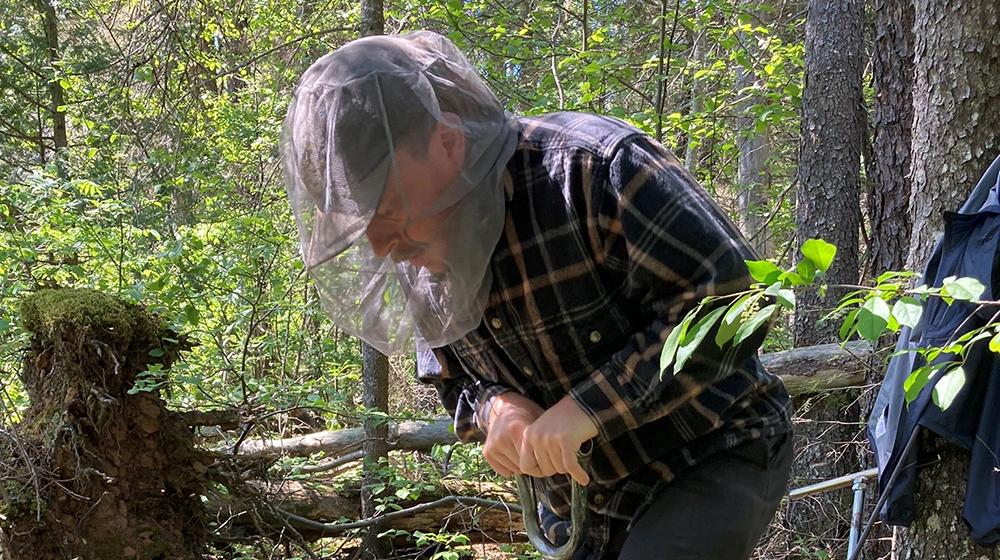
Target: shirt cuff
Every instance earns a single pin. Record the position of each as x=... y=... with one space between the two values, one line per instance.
x=487 y=396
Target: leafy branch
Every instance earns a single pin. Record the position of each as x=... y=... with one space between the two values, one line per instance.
x=868 y=311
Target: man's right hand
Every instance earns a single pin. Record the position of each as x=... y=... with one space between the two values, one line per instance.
x=510 y=415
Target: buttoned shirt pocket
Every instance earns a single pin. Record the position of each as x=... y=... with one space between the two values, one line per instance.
x=587 y=342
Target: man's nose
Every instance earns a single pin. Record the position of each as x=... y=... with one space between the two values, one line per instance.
x=382 y=245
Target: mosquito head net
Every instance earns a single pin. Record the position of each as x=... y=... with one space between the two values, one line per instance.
x=393 y=150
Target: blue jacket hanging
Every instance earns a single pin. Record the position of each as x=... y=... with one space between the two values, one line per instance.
x=968 y=248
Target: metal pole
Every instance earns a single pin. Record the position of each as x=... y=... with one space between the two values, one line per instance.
x=832 y=484
x=885 y=493
x=856 y=512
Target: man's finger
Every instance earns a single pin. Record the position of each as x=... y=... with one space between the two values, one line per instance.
x=546 y=466
x=528 y=461
x=573 y=467
x=503 y=458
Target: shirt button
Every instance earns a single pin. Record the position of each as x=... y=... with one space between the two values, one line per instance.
x=595 y=336
x=599 y=499
x=497 y=323
x=527 y=371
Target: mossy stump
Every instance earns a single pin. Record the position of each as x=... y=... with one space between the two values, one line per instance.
x=94 y=472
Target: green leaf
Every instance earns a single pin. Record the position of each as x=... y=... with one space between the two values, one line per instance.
x=849 y=326
x=192 y=314
x=807 y=270
x=674 y=340
x=787 y=299
x=873 y=318
x=819 y=252
x=772 y=290
x=891 y=274
x=907 y=311
x=789 y=279
x=692 y=339
x=995 y=343
x=730 y=323
x=762 y=270
x=948 y=387
x=915 y=382
x=965 y=289
x=156 y=352
x=748 y=328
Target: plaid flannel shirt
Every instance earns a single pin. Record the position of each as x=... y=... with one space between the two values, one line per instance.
x=608 y=243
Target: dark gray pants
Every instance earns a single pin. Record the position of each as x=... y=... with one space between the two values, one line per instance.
x=715 y=511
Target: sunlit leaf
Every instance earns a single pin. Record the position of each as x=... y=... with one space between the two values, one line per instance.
x=820 y=253
x=948 y=387
x=731 y=321
x=995 y=343
x=807 y=270
x=849 y=326
x=761 y=271
x=915 y=382
x=786 y=298
x=965 y=289
x=758 y=320
x=873 y=319
x=673 y=341
x=907 y=311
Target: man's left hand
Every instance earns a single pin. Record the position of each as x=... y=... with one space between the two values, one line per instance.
x=550 y=444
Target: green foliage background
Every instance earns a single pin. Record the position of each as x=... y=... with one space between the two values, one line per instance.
x=170 y=192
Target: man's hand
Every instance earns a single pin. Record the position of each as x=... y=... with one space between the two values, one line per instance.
x=509 y=418
x=550 y=444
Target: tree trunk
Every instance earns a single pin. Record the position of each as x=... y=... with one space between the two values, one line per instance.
x=938 y=530
x=889 y=205
x=47 y=9
x=410 y=436
x=889 y=178
x=956 y=92
x=375 y=371
x=695 y=147
x=754 y=153
x=827 y=202
x=375 y=380
x=956 y=107
x=828 y=207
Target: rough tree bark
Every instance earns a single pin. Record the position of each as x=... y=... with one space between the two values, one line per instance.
x=828 y=207
x=828 y=200
x=890 y=186
x=956 y=107
x=892 y=71
x=955 y=94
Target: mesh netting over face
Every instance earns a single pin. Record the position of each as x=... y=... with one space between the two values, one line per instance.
x=393 y=151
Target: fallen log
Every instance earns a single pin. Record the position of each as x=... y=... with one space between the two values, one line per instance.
x=410 y=435
x=813 y=369
x=483 y=512
x=803 y=370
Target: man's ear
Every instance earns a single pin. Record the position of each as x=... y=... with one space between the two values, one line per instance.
x=451 y=134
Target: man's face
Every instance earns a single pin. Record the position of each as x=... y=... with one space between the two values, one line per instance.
x=403 y=227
